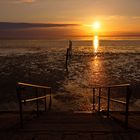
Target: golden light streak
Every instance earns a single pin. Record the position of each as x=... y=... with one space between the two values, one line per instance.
x=95 y=43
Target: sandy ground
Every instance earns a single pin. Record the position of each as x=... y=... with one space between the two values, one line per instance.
x=71 y=90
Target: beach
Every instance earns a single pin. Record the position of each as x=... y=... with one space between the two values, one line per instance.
x=43 y=62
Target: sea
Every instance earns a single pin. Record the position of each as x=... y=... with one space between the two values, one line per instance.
x=97 y=61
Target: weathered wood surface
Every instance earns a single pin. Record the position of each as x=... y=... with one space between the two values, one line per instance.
x=69 y=126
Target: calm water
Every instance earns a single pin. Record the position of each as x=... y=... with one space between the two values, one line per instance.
x=94 y=62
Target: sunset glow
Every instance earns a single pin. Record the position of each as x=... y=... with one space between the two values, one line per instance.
x=96 y=25
x=77 y=62
x=104 y=17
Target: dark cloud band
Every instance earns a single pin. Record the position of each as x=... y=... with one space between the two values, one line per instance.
x=9 y=25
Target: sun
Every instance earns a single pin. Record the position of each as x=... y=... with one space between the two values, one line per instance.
x=96 y=25
x=93 y=27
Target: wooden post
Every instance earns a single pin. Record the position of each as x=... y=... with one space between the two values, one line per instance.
x=20 y=106
x=67 y=54
x=128 y=94
x=37 y=106
x=45 y=100
x=93 y=98
x=108 y=102
x=70 y=51
x=70 y=48
x=99 y=99
x=50 y=103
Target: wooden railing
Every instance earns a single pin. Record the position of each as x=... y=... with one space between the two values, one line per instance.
x=21 y=89
x=109 y=99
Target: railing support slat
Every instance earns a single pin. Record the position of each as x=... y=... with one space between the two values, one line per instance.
x=128 y=94
x=99 y=99
x=20 y=106
x=37 y=106
x=45 y=100
x=50 y=103
x=93 y=99
x=108 y=103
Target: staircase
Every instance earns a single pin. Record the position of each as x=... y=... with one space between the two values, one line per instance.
x=70 y=126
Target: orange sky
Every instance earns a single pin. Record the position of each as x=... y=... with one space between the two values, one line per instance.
x=115 y=16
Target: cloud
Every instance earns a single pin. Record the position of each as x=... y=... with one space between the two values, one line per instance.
x=9 y=25
x=18 y=1
x=28 y=1
x=136 y=17
x=24 y=1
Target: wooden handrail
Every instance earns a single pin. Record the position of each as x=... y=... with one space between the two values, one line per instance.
x=112 y=86
x=33 y=99
x=108 y=98
x=32 y=85
x=113 y=100
x=21 y=100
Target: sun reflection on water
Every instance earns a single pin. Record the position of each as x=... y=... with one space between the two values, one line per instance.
x=95 y=43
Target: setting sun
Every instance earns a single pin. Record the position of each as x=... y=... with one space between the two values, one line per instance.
x=96 y=25
x=93 y=28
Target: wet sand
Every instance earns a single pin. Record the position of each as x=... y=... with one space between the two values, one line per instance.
x=71 y=90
